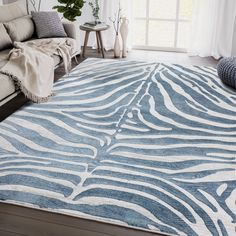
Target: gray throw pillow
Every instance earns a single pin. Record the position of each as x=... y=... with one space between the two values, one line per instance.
x=48 y=25
x=5 y=40
x=19 y=33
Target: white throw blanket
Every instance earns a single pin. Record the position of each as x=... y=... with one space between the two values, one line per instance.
x=31 y=66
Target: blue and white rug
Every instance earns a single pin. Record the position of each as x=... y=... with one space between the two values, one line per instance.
x=138 y=144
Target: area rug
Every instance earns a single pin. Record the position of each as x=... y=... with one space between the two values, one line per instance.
x=144 y=145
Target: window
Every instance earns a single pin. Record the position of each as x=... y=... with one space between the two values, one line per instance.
x=162 y=24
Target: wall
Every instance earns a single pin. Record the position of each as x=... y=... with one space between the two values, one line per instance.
x=8 y=1
x=234 y=41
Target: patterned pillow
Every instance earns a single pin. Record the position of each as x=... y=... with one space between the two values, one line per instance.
x=5 y=40
x=48 y=25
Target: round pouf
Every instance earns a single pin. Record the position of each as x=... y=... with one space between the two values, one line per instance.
x=227 y=71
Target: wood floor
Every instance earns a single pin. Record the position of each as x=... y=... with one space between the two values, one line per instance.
x=20 y=221
x=16 y=221
x=172 y=57
x=160 y=56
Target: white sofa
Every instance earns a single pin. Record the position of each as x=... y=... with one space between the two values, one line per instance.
x=17 y=10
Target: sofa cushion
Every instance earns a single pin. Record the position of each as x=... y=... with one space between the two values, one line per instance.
x=48 y=25
x=5 y=40
x=12 y=11
x=19 y=33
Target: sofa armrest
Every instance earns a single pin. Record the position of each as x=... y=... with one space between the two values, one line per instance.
x=72 y=31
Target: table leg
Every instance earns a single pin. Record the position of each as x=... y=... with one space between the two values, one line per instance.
x=85 y=42
x=101 y=43
x=98 y=44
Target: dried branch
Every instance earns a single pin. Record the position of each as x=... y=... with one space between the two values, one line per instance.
x=34 y=5
x=116 y=20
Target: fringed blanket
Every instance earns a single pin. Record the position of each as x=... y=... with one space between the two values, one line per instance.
x=31 y=66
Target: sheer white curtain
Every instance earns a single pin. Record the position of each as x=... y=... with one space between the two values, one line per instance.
x=213 y=28
x=108 y=9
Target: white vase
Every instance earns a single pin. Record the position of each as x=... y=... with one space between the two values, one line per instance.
x=124 y=31
x=117 y=50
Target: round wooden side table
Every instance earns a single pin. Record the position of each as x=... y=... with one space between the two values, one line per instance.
x=98 y=31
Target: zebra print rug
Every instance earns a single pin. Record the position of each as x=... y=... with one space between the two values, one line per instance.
x=138 y=144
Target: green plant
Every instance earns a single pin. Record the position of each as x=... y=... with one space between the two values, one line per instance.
x=95 y=9
x=70 y=8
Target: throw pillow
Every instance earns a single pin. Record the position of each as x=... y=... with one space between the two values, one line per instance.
x=5 y=40
x=19 y=33
x=48 y=25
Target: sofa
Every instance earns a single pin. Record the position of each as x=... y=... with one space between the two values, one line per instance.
x=18 y=10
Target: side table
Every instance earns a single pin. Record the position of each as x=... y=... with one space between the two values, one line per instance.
x=98 y=31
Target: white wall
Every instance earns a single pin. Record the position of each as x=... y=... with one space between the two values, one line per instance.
x=8 y=1
x=47 y=5
x=234 y=41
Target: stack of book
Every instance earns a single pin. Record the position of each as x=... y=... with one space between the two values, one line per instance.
x=95 y=25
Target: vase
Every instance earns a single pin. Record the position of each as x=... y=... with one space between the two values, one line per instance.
x=117 y=47
x=124 y=31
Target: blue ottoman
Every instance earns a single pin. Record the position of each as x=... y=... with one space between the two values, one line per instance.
x=227 y=71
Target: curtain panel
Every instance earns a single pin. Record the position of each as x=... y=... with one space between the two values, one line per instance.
x=213 y=27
